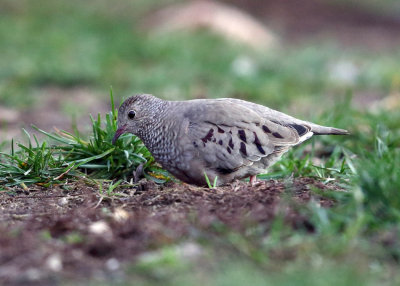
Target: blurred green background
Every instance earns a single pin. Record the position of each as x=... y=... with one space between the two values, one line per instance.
x=92 y=45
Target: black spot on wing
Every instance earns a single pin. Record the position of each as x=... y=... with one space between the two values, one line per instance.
x=242 y=135
x=256 y=140
x=266 y=129
x=231 y=143
x=243 y=148
x=208 y=136
x=220 y=142
x=260 y=149
x=300 y=129
x=229 y=150
x=258 y=144
x=220 y=130
x=277 y=135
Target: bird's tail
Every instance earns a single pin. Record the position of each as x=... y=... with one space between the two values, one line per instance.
x=324 y=130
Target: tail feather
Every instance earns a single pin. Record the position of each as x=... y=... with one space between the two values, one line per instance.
x=324 y=130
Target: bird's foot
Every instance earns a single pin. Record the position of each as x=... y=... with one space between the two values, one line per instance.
x=253 y=180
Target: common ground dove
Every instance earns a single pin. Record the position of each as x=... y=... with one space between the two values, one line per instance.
x=225 y=138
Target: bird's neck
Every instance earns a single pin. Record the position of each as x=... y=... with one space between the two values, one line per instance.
x=161 y=132
x=161 y=136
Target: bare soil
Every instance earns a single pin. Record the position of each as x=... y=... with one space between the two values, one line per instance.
x=71 y=232
x=54 y=107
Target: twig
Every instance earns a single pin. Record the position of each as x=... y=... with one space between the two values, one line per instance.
x=99 y=202
x=63 y=174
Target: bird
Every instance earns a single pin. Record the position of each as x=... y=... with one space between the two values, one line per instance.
x=213 y=140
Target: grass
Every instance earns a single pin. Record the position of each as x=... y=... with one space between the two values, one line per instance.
x=209 y=185
x=90 y=47
x=354 y=243
x=315 y=271
x=74 y=156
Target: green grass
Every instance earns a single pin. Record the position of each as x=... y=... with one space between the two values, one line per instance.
x=75 y=156
x=356 y=242
x=97 y=47
x=308 y=271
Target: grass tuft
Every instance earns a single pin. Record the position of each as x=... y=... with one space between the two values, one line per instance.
x=73 y=156
x=379 y=180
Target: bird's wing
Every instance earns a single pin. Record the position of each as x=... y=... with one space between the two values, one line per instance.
x=230 y=135
x=305 y=129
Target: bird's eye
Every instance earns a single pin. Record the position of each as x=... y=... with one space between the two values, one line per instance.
x=131 y=114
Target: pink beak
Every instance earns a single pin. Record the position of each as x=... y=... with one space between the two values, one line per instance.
x=118 y=133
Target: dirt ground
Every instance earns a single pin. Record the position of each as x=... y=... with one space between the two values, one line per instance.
x=71 y=232
x=54 y=107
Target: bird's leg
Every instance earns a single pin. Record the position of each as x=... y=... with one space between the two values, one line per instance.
x=138 y=173
x=253 y=180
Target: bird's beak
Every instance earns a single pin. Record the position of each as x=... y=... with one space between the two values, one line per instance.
x=118 y=133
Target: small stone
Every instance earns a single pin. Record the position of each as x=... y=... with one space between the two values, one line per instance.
x=99 y=228
x=54 y=262
x=112 y=264
x=62 y=202
x=120 y=215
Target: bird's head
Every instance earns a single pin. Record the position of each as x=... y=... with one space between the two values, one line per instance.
x=136 y=114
